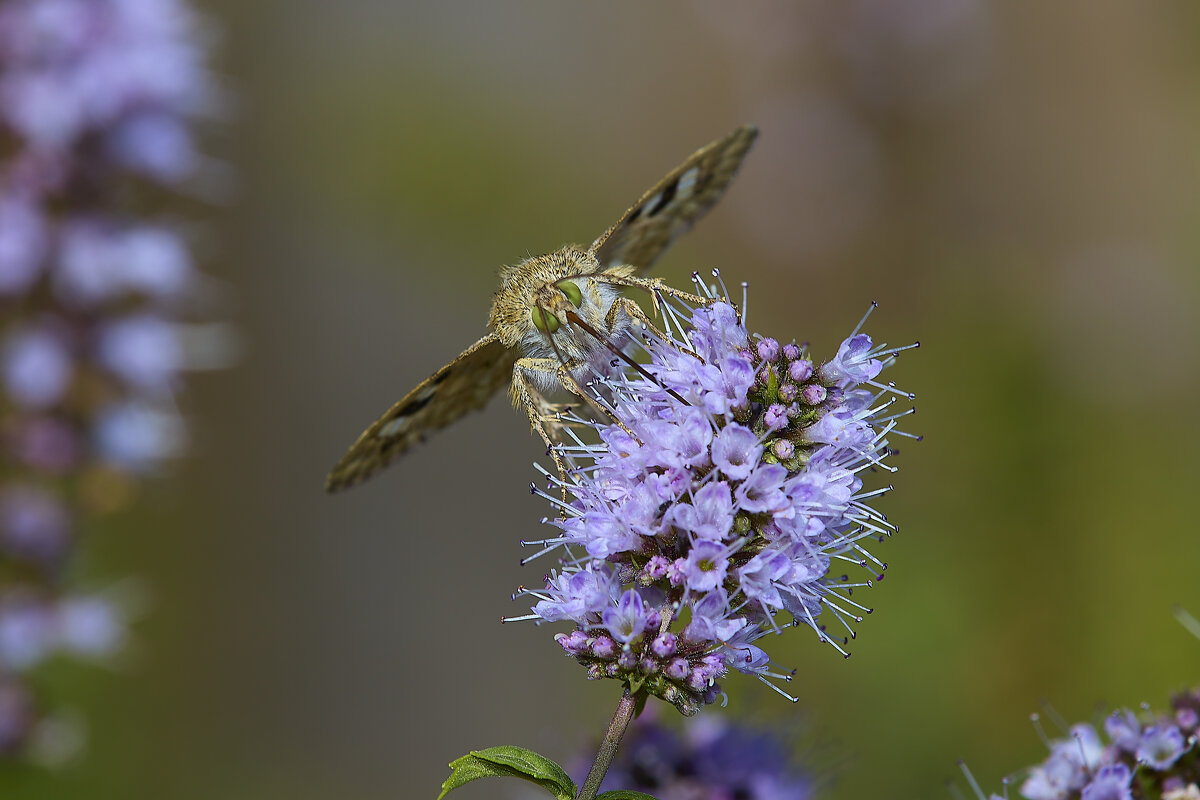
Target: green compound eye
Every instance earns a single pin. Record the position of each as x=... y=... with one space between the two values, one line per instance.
x=572 y=292
x=546 y=323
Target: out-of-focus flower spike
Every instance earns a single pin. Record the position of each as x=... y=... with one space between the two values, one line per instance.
x=97 y=104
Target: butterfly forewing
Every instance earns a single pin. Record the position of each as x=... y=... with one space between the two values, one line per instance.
x=675 y=203
x=465 y=384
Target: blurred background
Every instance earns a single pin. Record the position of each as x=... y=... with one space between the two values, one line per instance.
x=1016 y=184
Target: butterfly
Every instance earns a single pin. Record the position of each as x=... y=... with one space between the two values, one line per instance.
x=555 y=317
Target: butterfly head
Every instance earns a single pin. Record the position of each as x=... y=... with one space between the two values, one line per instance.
x=539 y=298
x=536 y=294
x=552 y=303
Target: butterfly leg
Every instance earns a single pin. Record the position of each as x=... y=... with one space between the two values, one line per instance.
x=525 y=380
x=656 y=288
x=634 y=311
x=541 y=415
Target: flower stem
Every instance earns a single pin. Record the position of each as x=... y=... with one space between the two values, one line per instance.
x=608 y=748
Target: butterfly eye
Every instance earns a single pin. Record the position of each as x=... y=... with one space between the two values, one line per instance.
x=572 y=292
x=546 y=323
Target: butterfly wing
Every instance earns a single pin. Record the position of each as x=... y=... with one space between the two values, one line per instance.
x=675 y=203
x=465 y=384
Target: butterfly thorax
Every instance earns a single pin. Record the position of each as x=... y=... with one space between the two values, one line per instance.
x=540 y=297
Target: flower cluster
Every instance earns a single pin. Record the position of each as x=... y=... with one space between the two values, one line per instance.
x=709 y=759
x=723 y=493
x=1148 y=755
x=96 y=100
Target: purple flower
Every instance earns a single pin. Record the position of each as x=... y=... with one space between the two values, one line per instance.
x=762 y=575
x=23 y=244
x=37 y=367
x=1160 y=746
x=35 y=627
x=735 y=451
x=768 y=350
x=664 y=646
x=137 y=436
x=718 y=332
x=1110 y=783
x=800 y=370
x=708 y=516
x=628 y=619
x=90 y=627
x=143 y=351
x=577 y=596
x=705 y=566
x=813 y=394
x=762 y=491
x=1053 y=779
x=34 y=524
x=100 y=262
x=1123 y=729
x=716 y=505
x=776 y=417
x=1068 y=768
x=855 y=362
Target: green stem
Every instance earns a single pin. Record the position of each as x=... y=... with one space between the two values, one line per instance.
x=608 y=748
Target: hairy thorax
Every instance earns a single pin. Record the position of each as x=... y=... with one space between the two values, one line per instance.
x=539 y=300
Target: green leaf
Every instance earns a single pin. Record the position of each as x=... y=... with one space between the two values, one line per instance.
x=513 y=762
x=625 y=794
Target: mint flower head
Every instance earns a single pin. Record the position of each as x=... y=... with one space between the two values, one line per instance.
x=720 y=505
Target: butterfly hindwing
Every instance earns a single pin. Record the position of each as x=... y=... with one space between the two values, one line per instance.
x=465 y=384
x=675 y=203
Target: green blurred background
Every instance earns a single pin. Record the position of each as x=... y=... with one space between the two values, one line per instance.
x=1016 y=184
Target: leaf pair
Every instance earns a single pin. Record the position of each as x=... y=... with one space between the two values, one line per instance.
x=517 y=762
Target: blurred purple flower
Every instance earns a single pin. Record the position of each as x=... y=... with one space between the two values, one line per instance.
x=23 y=244
x=709 y=758
x=34 y=524
x=1160 y=746
x=1110 y=783
x=37 y=367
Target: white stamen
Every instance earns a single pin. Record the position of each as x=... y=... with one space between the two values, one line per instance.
x=863 y=321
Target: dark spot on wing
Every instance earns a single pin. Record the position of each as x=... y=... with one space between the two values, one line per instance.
x=416 y=405
x=437 y=379
x=633 y=215
x=668 y=194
